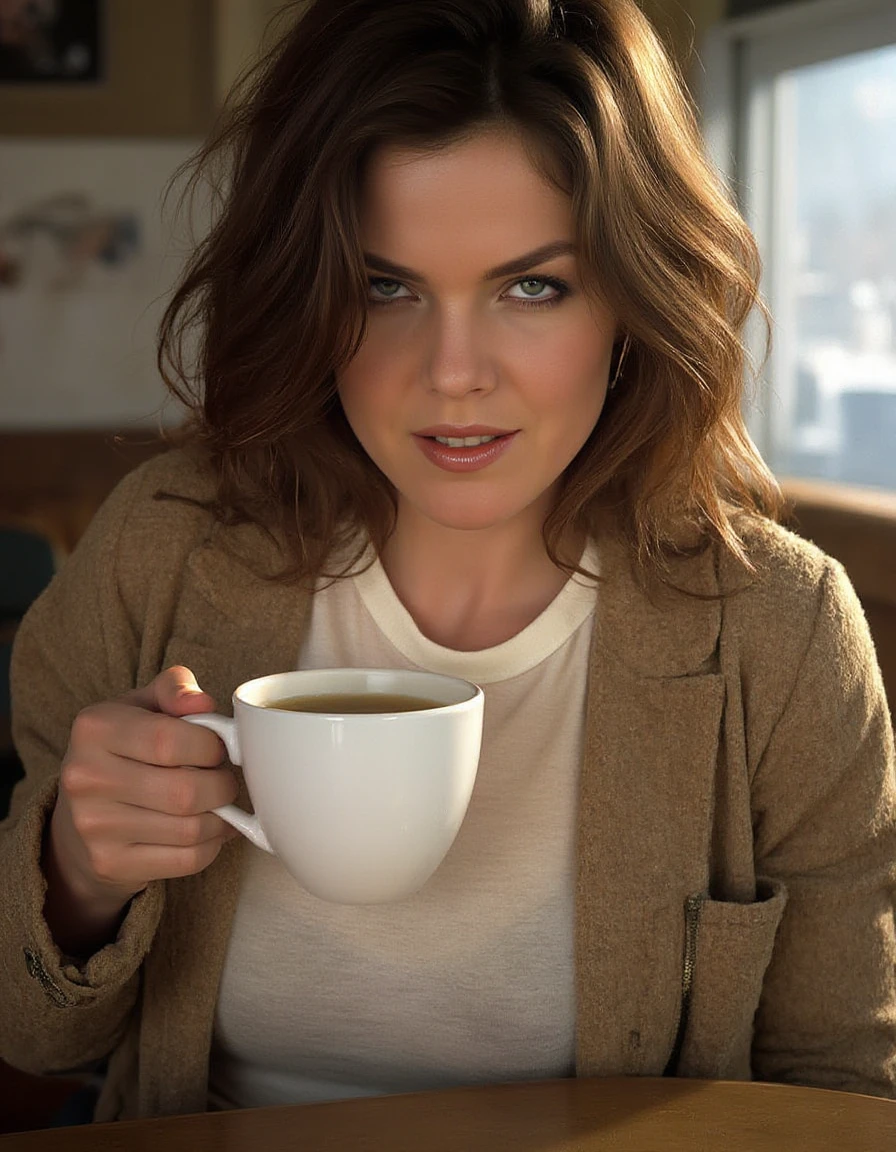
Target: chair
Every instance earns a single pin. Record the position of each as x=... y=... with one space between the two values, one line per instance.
x=27 y=564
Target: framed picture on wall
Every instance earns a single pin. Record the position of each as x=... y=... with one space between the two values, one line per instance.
x=51 y=41
x=100 y=68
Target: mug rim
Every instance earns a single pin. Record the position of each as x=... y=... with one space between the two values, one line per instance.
x=475 y=695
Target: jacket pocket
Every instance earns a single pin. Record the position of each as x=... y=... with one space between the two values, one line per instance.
x=728 y=948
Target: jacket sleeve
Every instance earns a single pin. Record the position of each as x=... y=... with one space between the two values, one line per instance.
x=76 y=646
x=824 y=816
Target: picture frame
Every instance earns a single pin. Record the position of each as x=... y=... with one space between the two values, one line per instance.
x=51 y=41
x=155 y=76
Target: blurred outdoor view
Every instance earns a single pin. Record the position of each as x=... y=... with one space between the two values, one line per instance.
x=835 y=275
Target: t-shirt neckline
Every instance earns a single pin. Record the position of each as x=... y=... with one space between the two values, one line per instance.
x=548 y=632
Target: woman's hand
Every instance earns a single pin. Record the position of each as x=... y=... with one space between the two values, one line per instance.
x=136 y=794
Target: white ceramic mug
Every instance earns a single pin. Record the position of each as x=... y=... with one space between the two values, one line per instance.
x=361 y=808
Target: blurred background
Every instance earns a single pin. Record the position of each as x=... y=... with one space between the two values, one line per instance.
x=102 y=100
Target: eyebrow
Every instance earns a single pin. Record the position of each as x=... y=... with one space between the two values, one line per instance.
x=512 y=268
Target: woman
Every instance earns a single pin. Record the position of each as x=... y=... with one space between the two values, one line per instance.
x=468 y=398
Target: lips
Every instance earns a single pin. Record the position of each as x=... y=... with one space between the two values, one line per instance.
x=454 y=457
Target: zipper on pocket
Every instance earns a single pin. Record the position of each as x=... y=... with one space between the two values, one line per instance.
x=692 y=907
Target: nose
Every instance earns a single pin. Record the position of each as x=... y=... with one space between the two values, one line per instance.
x=457 y=359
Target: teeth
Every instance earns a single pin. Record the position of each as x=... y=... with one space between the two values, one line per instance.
x=464 y=441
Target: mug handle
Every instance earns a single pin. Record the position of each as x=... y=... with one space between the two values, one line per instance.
x=244 y=822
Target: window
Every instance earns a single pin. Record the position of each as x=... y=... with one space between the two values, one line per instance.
x=800 y=115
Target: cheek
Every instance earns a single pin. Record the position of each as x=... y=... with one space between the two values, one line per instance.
x=373 y=375
x=354 y=380
x=370 y=401
x=570 y=378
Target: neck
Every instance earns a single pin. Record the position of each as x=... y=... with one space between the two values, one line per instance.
x=472 y=589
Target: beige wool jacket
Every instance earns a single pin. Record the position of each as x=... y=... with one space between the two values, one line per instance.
x=736 y=860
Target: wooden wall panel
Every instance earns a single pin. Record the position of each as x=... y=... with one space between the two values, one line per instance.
x=57 y=480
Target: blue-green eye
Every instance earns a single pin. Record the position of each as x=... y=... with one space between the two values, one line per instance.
x=536 y=290
x=382 y=290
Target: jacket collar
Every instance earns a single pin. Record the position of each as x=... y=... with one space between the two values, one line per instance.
x=654 y=630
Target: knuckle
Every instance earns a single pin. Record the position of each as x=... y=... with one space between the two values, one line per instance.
x=163 y=744
x=75 y=778
x=88 y=823
x=90 y=726
x=190 y=830
x=182 y=796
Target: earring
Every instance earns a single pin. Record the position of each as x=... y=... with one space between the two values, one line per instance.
x=622 y=355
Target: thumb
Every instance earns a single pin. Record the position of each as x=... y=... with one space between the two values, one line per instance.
x=175 y=692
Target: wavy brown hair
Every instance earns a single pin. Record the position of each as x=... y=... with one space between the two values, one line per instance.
x=277 y=292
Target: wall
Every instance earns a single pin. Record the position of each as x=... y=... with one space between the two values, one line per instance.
x=683 y=24
x=746 y=7
x=241 y=27
x=77 y=332
x=82 y=171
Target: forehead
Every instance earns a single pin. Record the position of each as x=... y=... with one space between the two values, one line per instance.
x=485 y=187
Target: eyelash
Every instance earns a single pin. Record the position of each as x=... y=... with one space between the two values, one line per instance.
x=560 y=287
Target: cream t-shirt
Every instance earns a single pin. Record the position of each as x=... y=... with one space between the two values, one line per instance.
x=471 y=979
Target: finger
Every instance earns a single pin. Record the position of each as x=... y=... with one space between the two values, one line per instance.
x=145 y=862
x=175 y=791
x=145 y=737
x=189 y=791
x=128 y=825
x=174 y=691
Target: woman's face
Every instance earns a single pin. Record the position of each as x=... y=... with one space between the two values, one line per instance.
x=478 y=328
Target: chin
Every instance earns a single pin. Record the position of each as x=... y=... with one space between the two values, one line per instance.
x=470 y=516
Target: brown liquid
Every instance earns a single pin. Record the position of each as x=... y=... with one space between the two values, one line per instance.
x=355 y=702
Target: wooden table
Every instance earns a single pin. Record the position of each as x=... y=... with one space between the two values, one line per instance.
x=613 y=1115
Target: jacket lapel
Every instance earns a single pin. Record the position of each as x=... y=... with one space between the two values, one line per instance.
x=654 y=713
x=232 y=624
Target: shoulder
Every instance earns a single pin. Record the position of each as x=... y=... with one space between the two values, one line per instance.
x=792 y=575
x=788 y=570
x=777 y=594
x=142 y=534
x=797 y=611
x=179 y=473
x=157 y=502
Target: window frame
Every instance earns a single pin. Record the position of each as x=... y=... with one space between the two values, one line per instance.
x=742 y=59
